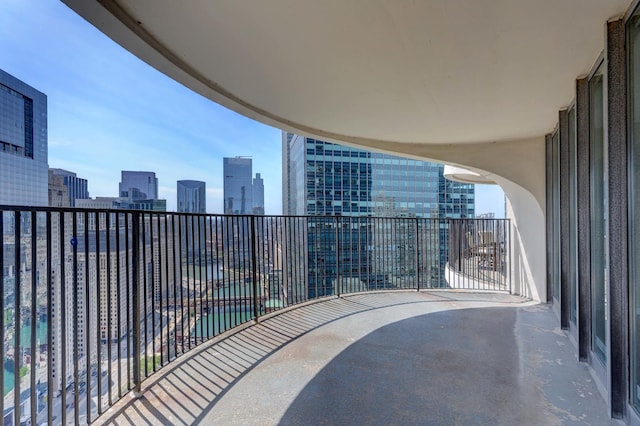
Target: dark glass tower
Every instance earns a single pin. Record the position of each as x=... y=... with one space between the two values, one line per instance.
x=325 y=179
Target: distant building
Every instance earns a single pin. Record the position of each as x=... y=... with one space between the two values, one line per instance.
x=139 y=191
x=238 y=184
x=76 y=187
x=138 y=185
x=58 y=193
x=23 y=143
x=486 y=216
x=98 y=203
x=192 y=196
x=153 y=205
x=321 y=178
x=258 y=195
x=326 y=179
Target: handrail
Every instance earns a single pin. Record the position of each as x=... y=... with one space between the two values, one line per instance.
x=97 y=301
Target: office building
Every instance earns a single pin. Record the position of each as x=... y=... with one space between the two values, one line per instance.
x=58 y=193
x=325 y=179
x=139 y=191
x=138 y=185
x=258 y=195
x=237 y=191
x=77 y=188
x=23 y=143
x=192 y=196
x=321 y=178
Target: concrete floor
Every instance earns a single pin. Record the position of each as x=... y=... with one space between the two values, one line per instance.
x=436 y=358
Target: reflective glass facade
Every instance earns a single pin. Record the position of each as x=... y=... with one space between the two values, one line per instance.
x=325 y=179
x=138 y=185
x=322 y=178
x=23 y=143
x=237 y=185
x=192 y=196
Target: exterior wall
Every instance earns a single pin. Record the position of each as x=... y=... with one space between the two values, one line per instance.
x=23 y=143
x=527 y=218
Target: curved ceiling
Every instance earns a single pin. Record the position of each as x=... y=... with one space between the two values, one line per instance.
x=430 y=71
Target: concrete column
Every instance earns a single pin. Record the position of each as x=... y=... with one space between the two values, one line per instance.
x=548 y=152
x=565 y=289
x=616 y=121
x=584 y=234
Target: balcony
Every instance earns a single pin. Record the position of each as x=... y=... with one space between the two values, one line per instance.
x=428 y=357
x=198 y=314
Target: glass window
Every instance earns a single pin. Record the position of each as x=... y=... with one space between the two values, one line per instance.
x=634 y=205
x=598 y=214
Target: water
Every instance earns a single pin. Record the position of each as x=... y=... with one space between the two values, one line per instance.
x=215 y=324
x=211 y=271
x=25 y=340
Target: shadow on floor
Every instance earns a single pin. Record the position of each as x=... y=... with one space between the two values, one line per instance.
x=505 y=363
x=452 y=367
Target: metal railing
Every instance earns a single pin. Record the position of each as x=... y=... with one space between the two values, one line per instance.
x=96 y=301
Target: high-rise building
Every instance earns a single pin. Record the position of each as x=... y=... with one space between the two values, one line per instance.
x=238 y=198
x=325 y=179
x=321 y=178
x=258 y=194
x=58 y=194
x=136 y=186
x=77 y=188
x=23 y=143
x=139 y=191
x=192 y=196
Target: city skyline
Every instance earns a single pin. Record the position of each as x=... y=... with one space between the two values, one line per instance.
x=108 y=111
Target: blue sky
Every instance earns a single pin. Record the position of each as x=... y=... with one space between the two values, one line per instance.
x=108 y=111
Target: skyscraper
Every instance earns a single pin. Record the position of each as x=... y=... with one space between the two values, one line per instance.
x=139 y=191
x=138 y=185
x=321 y=178
x=238 y=197
x=192 y=196
x=58 y=193
x=77 y=188
x=23 y=143
x=258 y=194
x=325 y=179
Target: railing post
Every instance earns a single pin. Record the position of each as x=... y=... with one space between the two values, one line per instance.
x=417 y=255
x=337 y=257
x=254 y=267
x=135 y=288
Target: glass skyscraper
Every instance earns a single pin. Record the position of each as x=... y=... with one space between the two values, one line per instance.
x=321 y=178
x=137 y=186
x=24 y=172
x=242 y=193
x=258 y=195
x=325 y=179
x=192 y=196
x=237 y=185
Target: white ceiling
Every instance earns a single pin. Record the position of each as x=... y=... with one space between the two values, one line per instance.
x=416 y=71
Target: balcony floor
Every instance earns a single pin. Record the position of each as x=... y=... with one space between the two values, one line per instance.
x=432 y=357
